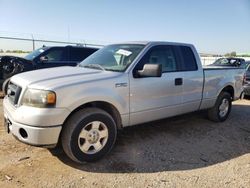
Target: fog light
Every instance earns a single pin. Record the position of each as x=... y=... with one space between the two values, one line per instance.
x=23 y=133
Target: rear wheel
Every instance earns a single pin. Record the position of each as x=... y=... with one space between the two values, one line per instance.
x=222 y=108
x=88 y=135
x=242 y=95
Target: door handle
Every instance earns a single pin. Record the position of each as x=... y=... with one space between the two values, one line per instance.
x=178 y=81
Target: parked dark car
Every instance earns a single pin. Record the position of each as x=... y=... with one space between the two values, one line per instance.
x=44 y=57
x=247 y=80
x=232 y=61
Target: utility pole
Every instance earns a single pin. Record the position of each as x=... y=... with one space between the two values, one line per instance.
x=33 y=41
x=68 y=34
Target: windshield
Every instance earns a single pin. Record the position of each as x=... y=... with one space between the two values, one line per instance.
x=113 y=57
x=244 y=65
x=221 y=61
x=34 y=54
x=231 y=62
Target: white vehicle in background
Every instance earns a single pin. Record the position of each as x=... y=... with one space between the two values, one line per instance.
x=120 y=85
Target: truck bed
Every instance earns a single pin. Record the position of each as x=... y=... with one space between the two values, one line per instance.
x=213 y=67
x=217 y=77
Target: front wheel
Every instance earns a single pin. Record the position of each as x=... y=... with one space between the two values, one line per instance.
x=222 y=108
x=88 y=135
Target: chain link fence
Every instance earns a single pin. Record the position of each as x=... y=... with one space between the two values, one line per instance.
x=20 y=44
x=11 y=42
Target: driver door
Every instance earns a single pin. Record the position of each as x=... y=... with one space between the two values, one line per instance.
x=54 y=57
x=153 y=98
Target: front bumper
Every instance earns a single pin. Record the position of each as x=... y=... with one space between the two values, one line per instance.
x=34 y=126
x=37 y=136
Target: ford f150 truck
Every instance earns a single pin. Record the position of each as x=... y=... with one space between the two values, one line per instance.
x=120 y=85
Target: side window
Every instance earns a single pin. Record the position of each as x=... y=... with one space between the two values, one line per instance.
x=163 y=55
x=170 y=63
x=188 y=59
x=55 y=54
x=79 y=54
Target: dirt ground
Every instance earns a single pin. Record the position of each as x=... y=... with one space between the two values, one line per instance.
x=185 y=151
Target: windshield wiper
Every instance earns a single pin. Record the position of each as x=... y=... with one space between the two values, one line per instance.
x=98 y=66
x=114 y=70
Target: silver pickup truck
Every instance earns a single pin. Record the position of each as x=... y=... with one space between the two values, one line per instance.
x=119 y=85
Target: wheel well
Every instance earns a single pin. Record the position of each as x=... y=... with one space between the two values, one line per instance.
x=230 y=90
x=107 y=107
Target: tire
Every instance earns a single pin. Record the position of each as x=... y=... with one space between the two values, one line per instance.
x=222 y=108
x=98 y=135
x=5 y=86
x=242 y=95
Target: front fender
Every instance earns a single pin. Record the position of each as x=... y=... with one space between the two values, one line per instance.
x=118 y=97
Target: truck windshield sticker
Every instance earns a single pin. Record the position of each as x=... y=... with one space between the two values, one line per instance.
x=124 y=52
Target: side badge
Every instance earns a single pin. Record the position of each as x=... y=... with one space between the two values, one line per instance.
x=121 y=84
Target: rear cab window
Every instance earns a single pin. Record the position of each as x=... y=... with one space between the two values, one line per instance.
x=187 y=59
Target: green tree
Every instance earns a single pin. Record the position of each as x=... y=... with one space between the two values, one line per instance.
x=233 y=54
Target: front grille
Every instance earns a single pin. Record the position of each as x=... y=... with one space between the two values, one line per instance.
x=13 y=93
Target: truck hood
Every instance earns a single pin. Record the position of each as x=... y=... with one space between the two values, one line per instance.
x=58 y=77
x=8 y=58
x=10 y=64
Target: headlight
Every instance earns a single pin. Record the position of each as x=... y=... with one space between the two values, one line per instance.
x=39 y=98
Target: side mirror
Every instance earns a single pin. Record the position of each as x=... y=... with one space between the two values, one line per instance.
x=238 y=63
x=44 y=59
x=150 y=70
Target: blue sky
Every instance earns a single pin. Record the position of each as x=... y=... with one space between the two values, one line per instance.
x=214 y=26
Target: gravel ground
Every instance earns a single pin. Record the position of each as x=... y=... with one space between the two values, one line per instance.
x=185 y=151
